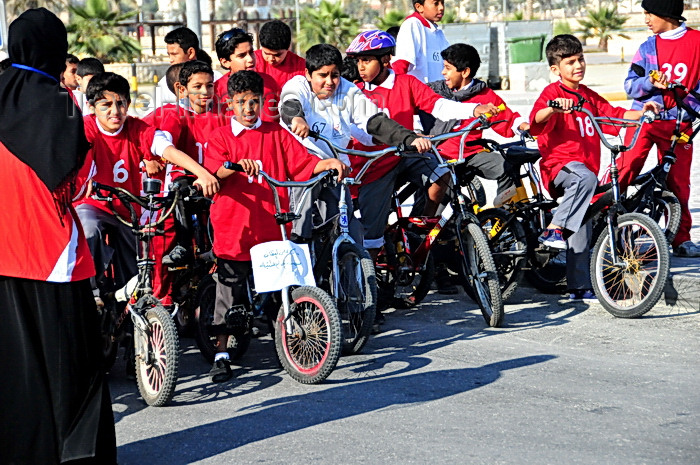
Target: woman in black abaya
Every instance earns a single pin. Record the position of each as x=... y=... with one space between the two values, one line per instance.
x=56 y=406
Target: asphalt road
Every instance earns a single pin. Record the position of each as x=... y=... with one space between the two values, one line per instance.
x=561 y=383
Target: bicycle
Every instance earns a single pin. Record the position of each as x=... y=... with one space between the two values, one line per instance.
x=406 y=257
x=512 y=230
x=630 y=260
x=652 y=196
x=155 y=341
x=307 y=329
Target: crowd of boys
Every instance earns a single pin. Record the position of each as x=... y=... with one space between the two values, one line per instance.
x=261 y=112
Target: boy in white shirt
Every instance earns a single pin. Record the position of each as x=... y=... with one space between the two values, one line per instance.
x=420 y=41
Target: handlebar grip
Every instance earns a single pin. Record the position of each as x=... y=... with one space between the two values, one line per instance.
x=314 y=134
x=229 y=165
x=407 y=148
x=553 y=104
x=333 y=172
x=500 y=107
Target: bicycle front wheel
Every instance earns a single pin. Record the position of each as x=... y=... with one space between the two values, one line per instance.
x=633 y=285
x=356 y=296
x=479 y=272
x=309 y=344
x=157 y=361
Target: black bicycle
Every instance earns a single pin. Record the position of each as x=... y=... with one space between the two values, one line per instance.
x=155 y=349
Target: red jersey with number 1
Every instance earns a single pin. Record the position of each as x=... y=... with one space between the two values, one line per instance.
x=115 y=159
x=243 y=210
x=569 y=137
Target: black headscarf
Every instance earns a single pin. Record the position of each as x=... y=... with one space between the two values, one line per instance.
x=39 y=123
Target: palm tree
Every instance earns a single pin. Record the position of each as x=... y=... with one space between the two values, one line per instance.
x=327 y=23
x=94 y=30
x=14 y=8
x=603 y=24
x=390 y=19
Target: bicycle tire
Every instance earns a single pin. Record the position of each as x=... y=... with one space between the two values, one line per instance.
x=204 y=319
x=478 y=271
x=398 y=279
x=479 y=191
x=511 y=240
x=156 y=377
x=311 y=351
x=357 y=297
x=664 y=208
x=631 y=292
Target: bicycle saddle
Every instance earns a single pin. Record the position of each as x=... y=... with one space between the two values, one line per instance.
x=518 y=155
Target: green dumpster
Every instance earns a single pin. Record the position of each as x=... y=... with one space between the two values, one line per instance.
x=526 y=49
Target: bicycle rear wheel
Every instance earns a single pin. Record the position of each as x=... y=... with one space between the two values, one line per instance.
x=665 y=209
x=508 y=247
x=404 y=282
x=479 y=272
x=157 y=364
x=356 y=296
x=310 y=350
x=631 y=287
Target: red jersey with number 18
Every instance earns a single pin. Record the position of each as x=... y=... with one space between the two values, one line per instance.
x=569 y=137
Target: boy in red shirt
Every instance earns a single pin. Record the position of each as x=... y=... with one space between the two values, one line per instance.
x=461 y=63
x=274 y=57
x=674 y=49
x=119 y=144
x=571 y=157
x=398 y=96
x=188 y=124
x=243 y=212
x=235 y=51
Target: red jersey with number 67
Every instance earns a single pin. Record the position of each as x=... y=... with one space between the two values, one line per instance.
x=115 y=159
x=569 y=137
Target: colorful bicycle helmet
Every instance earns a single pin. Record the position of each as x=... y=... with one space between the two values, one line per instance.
x=373 y=43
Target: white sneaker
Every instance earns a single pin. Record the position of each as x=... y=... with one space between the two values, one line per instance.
x=687 y=249
x=504 y=196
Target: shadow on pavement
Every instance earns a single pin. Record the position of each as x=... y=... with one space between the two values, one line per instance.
x=294 y=413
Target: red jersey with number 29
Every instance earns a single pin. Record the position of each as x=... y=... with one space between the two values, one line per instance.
x=115 y=159
x=569 y=137
x=680 y=61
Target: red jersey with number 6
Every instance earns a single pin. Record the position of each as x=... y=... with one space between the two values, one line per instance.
x=115 y=159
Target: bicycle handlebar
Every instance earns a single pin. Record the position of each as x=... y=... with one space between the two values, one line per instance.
x=128 y=199
x=275 y=183
x=648 y=117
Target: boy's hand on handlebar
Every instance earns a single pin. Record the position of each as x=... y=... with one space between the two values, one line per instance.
x=564 y=105
x=651 y=106
x=422 y=144
x=333 y=164
x=300 y=127
x=207 y=183
x=250 y=167
x=524 y=127
x=486 y=108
